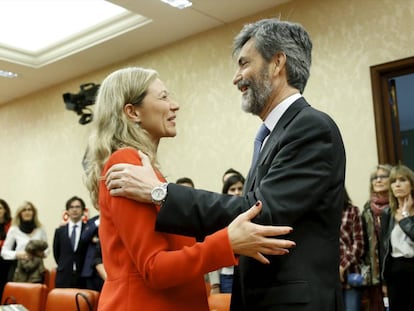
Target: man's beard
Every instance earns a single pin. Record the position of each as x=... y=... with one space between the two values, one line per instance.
x=258 y=93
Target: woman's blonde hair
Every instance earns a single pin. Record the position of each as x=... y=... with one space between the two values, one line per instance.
x=397 y=171
x=17 y=220
x=111 y=128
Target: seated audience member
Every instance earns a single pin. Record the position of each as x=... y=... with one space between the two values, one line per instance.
x=25 y=227
x=351 y=247
x=69 y=248
x=185 y=181
x=5 y=222
x=397 y=236
x=148 y=269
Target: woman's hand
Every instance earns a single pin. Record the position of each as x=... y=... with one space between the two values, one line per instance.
x=253 y=240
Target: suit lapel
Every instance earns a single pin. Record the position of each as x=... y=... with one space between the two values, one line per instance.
x=273 y=139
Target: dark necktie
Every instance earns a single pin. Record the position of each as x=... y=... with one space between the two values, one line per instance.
x=73 y=237
x=258 y=141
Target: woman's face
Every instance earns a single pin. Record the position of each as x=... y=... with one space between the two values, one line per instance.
x=236 y=189
x=401 y=187
x=380 y=182
x=27 y=213
x=158 y=111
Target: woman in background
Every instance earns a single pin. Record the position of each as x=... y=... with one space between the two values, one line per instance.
x=5 y=221
x=25 y=227
x=147 y=269
x=351 y=246
x=397 y=228
x=371 y=219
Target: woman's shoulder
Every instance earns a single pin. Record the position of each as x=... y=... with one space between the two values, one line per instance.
x=125 y=155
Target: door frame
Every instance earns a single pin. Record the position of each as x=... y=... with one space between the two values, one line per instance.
x=388 y=144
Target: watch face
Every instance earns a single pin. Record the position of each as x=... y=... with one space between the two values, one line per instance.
x=158 y=194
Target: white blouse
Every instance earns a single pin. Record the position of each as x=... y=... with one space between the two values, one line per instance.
x=402 y=245
x=15 y=235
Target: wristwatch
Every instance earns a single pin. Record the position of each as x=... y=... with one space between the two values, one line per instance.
x=159 y=193
x=405 y=214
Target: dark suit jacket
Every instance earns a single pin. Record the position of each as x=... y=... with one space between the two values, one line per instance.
x=299 y=177
x=65 y=256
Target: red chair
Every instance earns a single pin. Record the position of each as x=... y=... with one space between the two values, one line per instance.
x=68 y=299
x=51 y=279
x=219 y=302
x=31 y=295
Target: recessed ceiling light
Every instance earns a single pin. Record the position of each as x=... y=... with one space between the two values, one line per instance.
x=53 y=29
x=179 y=4
x=8 y=74
x=47 y=22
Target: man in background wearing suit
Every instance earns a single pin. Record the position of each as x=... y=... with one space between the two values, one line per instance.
x=68 y=248
x=298 y=175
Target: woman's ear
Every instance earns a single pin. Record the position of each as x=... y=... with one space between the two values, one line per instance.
x=132 y=114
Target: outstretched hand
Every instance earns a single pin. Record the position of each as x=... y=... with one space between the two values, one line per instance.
x=132 y=181
x=253 y=240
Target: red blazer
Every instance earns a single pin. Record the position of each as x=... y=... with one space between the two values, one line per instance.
x=150 y=270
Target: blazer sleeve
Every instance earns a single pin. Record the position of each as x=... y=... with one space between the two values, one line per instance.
x=160 y=259
x=304 y=172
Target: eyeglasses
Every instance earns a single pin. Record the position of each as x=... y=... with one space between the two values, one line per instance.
x=27 y=209
x=380 y=177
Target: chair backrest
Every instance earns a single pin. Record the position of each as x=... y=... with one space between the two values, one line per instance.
x=68 y=299
x=31 y=295
x=219 y=302
x=51 y=278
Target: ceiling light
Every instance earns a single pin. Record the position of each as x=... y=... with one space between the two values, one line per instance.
x=179 y=4
x=8 y=74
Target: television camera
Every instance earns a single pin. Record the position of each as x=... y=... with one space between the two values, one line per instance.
x=79 y=102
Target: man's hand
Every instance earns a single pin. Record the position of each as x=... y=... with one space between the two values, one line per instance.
x=132 y=181
x=249 y=239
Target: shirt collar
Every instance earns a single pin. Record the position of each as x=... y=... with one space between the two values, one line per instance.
x=277 y=112
x=71 y=223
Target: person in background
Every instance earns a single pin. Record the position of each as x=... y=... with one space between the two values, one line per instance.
x=229 y=172
x=397 y=236
x=371 y=220
x=69 y=249
x=185 y=181
x=25 y=227
x=222 y=280
x=147 y=269
x=5 y=222
x=298 y=174
x=90 y=274
x=351 y=246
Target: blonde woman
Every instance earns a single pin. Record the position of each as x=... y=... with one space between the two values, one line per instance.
x=371 y=222
x=25 y=227
x=147 y=269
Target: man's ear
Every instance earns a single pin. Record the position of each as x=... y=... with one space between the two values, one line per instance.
x=279 y=59
x=132 y=114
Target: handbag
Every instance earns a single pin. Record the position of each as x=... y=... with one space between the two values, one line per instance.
x=84 y=298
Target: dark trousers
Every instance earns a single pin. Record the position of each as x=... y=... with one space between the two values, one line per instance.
x=400 y=284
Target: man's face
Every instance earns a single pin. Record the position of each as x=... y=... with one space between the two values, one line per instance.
x=252 y=79
x=75 y=211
